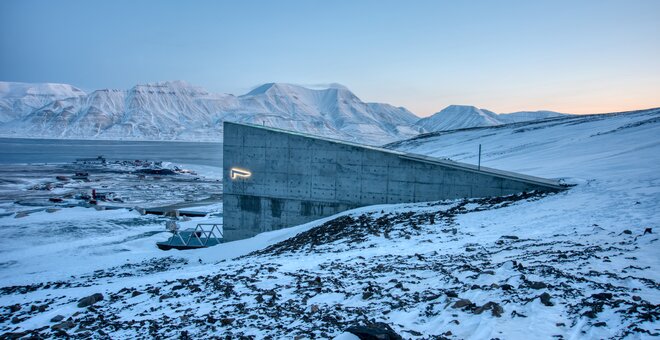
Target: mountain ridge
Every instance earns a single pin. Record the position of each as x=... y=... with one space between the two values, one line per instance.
x=177 y=110
x=180 y=111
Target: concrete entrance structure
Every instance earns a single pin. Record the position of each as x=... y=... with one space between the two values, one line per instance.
x=275 y=179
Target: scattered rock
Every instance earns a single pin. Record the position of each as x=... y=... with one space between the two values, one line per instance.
x=14 y=308
x=600 y=324
x=590 y=314
x=648 y=231
x=57 y=318
x=536 y=285
x=506 y=286
x=636 y=298
x=545 y=299
x=495 y=309
x=90 y=300
x=14 y=335
x=461 y=303
x=136 y=293
x=451 y=294
x=37 y=308
x=374 y=331
x=65 y=325
x=595 y=308
x=226 y=321
x=602 y=296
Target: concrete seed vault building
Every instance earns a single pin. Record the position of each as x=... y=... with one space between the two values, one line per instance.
x=275 y=179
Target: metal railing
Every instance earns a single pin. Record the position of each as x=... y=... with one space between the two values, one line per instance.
x=200 y=233
x=204 y=235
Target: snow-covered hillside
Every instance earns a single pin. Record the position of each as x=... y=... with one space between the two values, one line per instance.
x=462 y=116
x=179 y=111
x=20 y=99
x=579 y=264
x=524 y=116
x=581 y=145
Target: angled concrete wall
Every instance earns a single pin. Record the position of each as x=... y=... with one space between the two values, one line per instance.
x=296 y=178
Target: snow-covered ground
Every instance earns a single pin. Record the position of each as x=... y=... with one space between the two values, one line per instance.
x=583 y=263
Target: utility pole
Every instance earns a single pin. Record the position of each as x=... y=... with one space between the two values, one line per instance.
x=479 y=164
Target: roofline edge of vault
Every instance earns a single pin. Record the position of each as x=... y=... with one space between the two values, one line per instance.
x=418 y=157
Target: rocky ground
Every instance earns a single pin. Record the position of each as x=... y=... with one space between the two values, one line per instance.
x=427 y=270
x=27 y=188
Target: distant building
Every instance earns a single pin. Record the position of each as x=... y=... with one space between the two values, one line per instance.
x=275 y=179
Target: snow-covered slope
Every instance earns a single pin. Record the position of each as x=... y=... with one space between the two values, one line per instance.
x=19 y=99
x=580 y=145
x=462 y=116
x=580 y=264
x=180 y=111
x=523 y=116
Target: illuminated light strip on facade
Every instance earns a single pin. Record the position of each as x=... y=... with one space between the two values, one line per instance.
x=236 y=172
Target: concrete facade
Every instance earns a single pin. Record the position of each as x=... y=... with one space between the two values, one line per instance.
x=275 y=179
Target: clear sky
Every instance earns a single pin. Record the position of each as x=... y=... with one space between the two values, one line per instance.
x=569 y=56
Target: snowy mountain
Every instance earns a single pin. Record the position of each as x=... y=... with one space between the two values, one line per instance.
x=458 y=117
x=179 y=111
x=463 y=116
x=580 y=264
x=333 y=112
x=20 y=99
x=176 y=110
